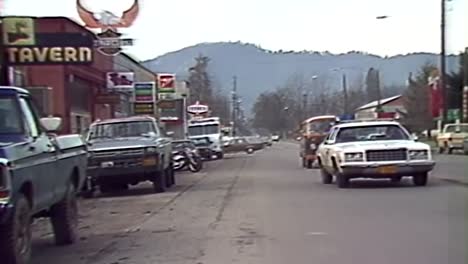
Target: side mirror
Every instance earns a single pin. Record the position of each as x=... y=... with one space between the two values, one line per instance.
x=51 y=124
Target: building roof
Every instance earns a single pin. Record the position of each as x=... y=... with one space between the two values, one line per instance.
x=376 y=103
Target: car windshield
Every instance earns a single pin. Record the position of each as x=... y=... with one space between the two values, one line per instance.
x=321 y=126
x=122 y=130
x=371 y=133
x=203 y=130
x=10 y=116
x=457 y=129
x=201 y=141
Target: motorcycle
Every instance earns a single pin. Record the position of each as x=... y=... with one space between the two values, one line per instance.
x=187 y=158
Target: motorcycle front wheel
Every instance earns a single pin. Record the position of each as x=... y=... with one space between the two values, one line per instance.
x=196 y=165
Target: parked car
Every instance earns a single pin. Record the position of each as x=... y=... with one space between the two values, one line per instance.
x=452 y=137
x=375 y=149
x=203 y=145
x=239 y=144
x=40 y=175
x=127 y=151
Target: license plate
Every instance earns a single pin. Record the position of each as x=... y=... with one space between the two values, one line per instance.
x=149 y=162
x=107 y=164
x=387 y=170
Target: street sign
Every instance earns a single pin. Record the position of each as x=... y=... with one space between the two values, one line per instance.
x=197 y=109
x=144 y=98
x=120 y=81
x=166 y=83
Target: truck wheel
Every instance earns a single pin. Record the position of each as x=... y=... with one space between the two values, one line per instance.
x=420 y=179
x=250 y=151
x=219 y=155
x=16 y=233
x=327 y=178
x=173 y=180
x=441 y=150
x=159 y=184
x=342 y=181
x=396 y=179
x=64 y=218
x=168 y=176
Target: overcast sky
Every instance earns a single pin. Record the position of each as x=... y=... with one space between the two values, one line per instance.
x=319 y=25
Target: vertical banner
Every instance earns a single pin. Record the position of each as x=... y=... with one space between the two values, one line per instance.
x=166 y=83
x=144 y=98
x=436 y=99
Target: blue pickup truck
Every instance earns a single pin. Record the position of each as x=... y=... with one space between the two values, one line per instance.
x=40 y=174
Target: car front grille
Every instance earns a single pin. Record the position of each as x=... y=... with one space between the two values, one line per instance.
x=386 y=155
x=118 y=153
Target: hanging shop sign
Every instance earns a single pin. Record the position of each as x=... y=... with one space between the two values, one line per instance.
x=107 y=98
x=166 y=83
x=109 y=40
x=18 y=31
x=197 y=109
x=52 y=48
x=144 y=98
x=171 y=110
x=120 y=81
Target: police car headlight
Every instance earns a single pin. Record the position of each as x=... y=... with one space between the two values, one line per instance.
x=418 y=154
x=354 y=157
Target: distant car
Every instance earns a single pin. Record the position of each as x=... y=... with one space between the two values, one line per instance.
x=375 y=149
x=204 y=149
x=239 y=144
x=465 y=146
x=451 y=138
x=275 y=138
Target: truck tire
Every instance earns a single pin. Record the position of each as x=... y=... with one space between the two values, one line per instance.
x=64 y=218
x=327 y=178
x=168 y=176
x=159 y=183
x=420 y=179
x=16 y=234
x=219 y=155
x=342 y=181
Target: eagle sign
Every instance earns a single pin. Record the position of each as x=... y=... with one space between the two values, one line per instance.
x=106 y=19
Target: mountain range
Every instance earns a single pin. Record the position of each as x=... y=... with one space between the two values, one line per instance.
x=260 y=70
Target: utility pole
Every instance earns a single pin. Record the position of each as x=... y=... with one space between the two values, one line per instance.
x=465 y=86
x=345 y=95
x=445 y=93
x=304 y=105
x=234 y=105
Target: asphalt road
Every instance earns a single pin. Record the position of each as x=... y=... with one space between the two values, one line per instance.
x=264 y=208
